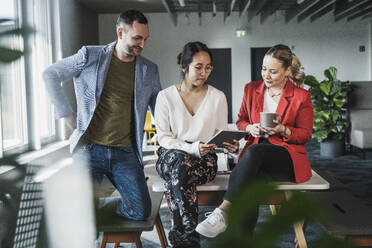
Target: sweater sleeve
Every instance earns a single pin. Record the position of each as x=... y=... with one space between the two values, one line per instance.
x=165 y=136
x=222 y=117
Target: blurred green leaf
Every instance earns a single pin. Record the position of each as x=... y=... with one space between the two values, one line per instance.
x=4 y=20
x=12 y=180
x=291 y=211
x=17 y=31
x=298 y=207
x=8 y=55
x=247 y=202
x=10 y=32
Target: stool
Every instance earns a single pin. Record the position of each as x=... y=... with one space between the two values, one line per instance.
x=119 y=230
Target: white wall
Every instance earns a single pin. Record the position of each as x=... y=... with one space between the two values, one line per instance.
x=319 y=45
x=78 y=27
x=370 y=50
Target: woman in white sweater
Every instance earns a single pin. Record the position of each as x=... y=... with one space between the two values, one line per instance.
x=187 y=114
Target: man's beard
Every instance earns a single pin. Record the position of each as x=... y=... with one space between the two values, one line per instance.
x=130 y=50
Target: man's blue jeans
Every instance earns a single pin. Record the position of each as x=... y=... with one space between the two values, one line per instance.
x=121 y=166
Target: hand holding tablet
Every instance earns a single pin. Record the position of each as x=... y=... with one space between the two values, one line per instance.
x=226 y=136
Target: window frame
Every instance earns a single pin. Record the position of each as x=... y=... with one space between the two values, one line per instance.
x=26 y=12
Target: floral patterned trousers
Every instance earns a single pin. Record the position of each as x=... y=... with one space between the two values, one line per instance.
x=182 y=172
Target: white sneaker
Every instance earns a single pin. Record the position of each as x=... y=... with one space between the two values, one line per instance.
x=214 y=224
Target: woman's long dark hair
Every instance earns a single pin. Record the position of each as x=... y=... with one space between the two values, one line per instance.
x=189 y=50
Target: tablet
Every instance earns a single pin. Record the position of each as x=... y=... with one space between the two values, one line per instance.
x=226 y=136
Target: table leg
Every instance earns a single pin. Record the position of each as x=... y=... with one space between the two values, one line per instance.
x=273 y=209
x=298 y=227
x=299 y=231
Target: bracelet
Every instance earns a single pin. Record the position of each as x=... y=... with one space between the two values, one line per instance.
x=285 y=130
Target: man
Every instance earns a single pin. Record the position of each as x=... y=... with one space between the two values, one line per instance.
x=114 y=86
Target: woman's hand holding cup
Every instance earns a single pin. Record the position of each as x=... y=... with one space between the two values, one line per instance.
x=255 y=130
x=270 y=124
x=278 y=129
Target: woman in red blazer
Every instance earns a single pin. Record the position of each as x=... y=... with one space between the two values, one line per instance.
x=277 y=152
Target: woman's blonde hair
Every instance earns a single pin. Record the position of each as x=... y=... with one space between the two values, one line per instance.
x=297 y=74
x=284 y=54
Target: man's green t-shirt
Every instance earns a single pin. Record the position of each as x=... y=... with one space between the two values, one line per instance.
x=111 y=124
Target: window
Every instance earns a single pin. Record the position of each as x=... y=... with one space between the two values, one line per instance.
x=26 y=116
x=42 y=58
x=13 y=105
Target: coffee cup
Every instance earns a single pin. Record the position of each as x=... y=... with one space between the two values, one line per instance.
x=267 y=119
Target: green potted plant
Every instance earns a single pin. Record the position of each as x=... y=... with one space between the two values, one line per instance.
x=329 y=98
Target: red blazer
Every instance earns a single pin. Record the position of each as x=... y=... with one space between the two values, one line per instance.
x=297 y=113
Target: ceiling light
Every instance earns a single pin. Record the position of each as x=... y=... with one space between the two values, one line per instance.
x=182 y=3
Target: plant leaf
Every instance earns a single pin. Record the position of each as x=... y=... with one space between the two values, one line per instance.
x=336 y=87
x=320 y=135
x=325 y=115
x=311 y=81
x=325 y=86
x=331 y=73
x=335 y=115
x=3 y=20
x=340 y=128
x=340 y=102
x=8 y=55
x=11 y=32
x=18 y=31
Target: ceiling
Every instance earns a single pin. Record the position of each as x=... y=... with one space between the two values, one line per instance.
x=299 y=10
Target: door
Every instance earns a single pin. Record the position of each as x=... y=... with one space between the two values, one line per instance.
x=257 y=55
x=220 y=77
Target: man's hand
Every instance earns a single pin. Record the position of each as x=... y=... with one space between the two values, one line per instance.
x=205 y=148
x=70 y=121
